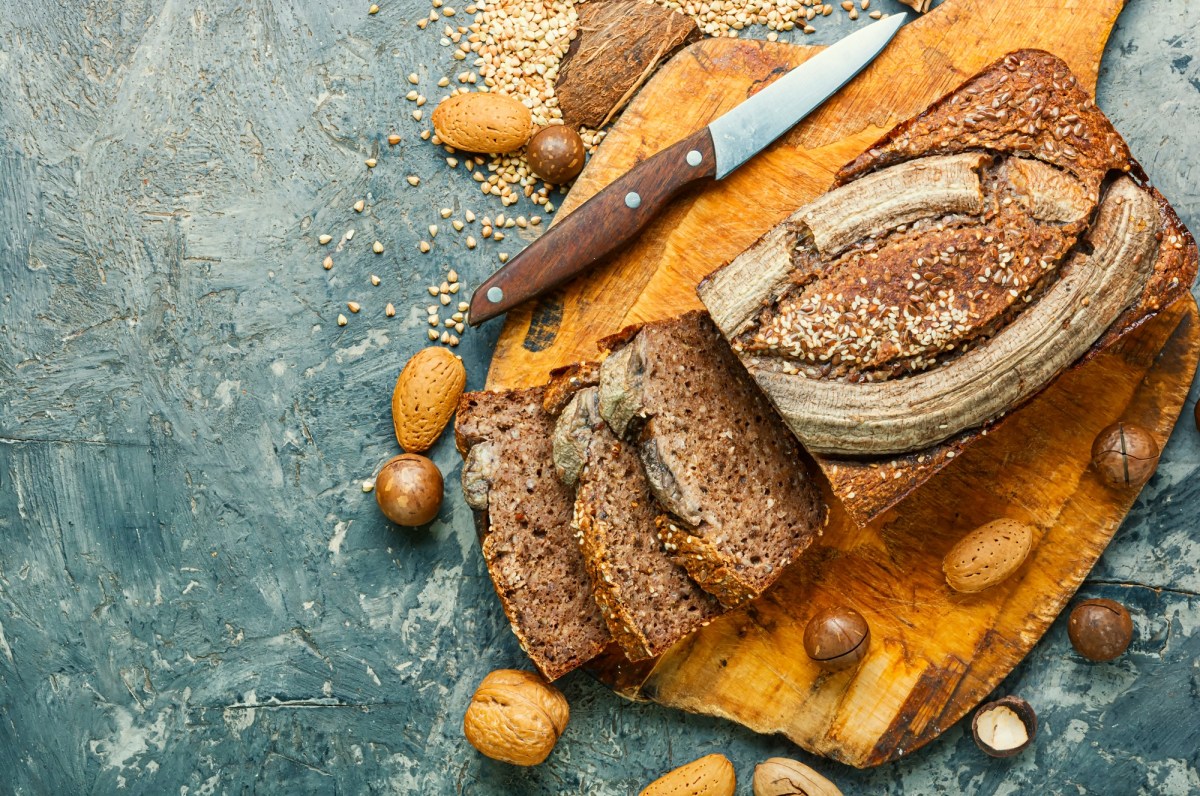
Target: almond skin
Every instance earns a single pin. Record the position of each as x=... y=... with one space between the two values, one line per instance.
x=425 y=397
x=483 y=122
x=709 y=776
x=987 y=555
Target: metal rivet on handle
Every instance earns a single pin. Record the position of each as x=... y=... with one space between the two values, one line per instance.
x=632 y=200
x=495 y=295
x=694 y=158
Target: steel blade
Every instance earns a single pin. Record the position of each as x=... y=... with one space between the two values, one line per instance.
x=752 y=125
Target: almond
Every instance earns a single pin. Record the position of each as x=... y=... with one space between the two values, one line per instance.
x=483 y=122
x=425 y=396
x=709 y=776
x=987 y=555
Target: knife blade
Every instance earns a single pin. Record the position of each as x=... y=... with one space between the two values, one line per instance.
x=620 y=210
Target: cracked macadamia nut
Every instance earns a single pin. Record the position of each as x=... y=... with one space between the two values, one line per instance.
x=516 y=717
x=1004 y=727
x=1099 y=629
x=780 y=776
x=837 y=638
x=409 y=490
x=1125 y=454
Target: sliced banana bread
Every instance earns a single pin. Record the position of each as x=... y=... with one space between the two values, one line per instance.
x=645 y=597
x=525 y=528
x=742 y=502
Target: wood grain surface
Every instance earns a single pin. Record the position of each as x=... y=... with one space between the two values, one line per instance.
x=936 y=653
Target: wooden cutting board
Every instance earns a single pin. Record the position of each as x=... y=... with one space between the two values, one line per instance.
x=935 y=654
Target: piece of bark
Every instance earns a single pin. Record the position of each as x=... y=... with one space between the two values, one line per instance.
x=620 y=44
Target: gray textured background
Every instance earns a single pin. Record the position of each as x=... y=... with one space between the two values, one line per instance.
x=195 y=595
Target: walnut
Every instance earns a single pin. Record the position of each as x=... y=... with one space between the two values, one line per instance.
x=516 y=717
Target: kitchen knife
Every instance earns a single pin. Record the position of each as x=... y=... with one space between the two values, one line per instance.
x=618 y=212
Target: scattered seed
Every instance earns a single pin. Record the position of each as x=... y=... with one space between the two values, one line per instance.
x=432 y=309
x=458 y=327
x=424 y=247
x=470 y=242
x=456 y=317
x=349 y=234
x=327 y=263
x=463 y=306
x=433 y=230
x=421 y=100
x=433 y=320
x=445 y=212
x=417 y=114
x=453 y=340
x=367 y=486
x=375 y=280
x=469 y=216
x=445 y=81
x=433 y=291
x=377 y=247
x=503 y=257
x=342 y=320
x=412 y=95
x=359 y=206
x=433 y=335
x=536 y=221
x=354 y=306
x=458 y=225
x=449 y=323
x=498 y=236
x=412 y=78
x=876 y=15
x=454 y=288
x=445 y=299
x=425 y=135
x=445 y=338
x=452 y=162
x=371 y=163
x=486 y=232
x=452 y=276
x=393 y=139
x=323 y=239
x=444 y=287
x=389 y=311
x=414 y=180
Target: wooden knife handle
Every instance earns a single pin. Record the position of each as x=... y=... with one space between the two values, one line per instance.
x=597 y=228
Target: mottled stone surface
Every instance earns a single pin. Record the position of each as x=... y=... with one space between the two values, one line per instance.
x=195 y=595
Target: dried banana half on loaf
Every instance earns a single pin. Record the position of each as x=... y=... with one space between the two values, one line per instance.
x=960 y=265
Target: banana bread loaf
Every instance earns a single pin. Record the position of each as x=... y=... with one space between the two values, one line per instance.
x=645 y=597
x=960 y=265
x=524 y=515
x=740 y=502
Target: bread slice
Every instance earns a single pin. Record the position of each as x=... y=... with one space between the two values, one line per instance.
x=645 y=597
x=524 y=515
x=958 y=266
x=741 y=502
